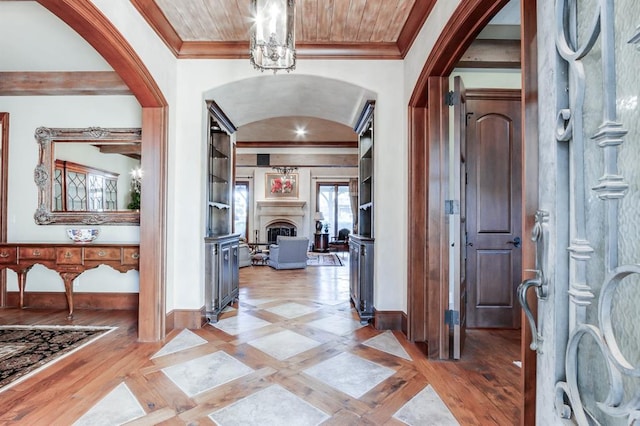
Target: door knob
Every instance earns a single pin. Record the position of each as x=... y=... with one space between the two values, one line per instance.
x=517 y=242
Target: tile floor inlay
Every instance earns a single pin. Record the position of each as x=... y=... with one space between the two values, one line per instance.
x=206 y=372
x=240 y=324
x=184 y=340
x=426 y=408
x=271 y=406
x=387 y=342
x=117 y=407
x=284 y=344
x=336 y=324
x=291 y=310
x=350 y=374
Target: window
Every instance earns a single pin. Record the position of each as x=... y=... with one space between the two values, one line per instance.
x=241 y=209
x=335 y=205
x=82 y=188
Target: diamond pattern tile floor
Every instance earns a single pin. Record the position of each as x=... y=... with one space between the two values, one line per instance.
x=240 y=324
x=350 y=374
x=271 y=406
x=426 y=408
x=291 y=310
x=387 y=342
x=336 y=324
x=185 y=340
x=204 y=373
x=284 y=344
x=117 y=407
x=288 y=361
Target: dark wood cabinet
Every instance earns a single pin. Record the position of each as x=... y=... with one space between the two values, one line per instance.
x=221 y=246
x=222 y=281
x=361 y=243
x=361 y=275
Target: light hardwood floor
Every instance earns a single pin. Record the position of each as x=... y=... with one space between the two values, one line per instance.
x=481 y=389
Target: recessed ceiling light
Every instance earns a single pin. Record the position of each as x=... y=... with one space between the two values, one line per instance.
x=301 y=131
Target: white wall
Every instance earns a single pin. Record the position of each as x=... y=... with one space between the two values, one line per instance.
x=384 y=78
x=162 y=65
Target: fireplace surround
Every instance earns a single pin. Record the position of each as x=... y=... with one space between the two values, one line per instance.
x=280 y=215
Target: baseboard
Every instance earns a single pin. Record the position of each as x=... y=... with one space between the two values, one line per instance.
x=58 y=300
x=390 y=320
x=186 y=318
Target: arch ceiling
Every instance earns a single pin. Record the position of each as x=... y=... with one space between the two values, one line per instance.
x=271 y=96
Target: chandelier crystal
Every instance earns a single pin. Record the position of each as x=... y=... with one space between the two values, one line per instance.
x=273 y=35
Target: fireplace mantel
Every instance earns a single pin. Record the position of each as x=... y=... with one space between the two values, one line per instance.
x=280 y=203
x=271 y=211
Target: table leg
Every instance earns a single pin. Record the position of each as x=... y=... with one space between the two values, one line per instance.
x=22 y=282
x=68 y=278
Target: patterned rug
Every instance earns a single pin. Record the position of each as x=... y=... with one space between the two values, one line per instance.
x=25 y=350
x=323 y=259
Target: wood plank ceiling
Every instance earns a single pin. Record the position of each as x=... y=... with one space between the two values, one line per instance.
x=324 y=28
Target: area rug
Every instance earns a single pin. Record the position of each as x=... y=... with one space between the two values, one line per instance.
x=26 y=350
x=323 y=259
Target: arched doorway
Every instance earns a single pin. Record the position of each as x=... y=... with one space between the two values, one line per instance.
x=427 y=270
x=89 y=23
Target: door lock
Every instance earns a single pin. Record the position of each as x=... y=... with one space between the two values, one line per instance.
x=517 y=242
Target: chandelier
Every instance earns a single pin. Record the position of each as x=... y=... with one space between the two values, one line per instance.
x=273 y=35
x=285 y=170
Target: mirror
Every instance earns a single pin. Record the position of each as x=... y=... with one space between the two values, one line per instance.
x=86 y=176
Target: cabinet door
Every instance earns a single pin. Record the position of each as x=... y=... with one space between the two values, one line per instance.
x=225 y=276
x=235 y=270
x=354 y=279
x=211 y=283
x=366 y=279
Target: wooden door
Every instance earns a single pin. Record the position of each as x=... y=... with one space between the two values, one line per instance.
x=494 y=208
x=459 y=220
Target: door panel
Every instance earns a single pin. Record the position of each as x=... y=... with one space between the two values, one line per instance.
x=459 y=238
x=491 y=292
x=493 y=211
x=493 y=173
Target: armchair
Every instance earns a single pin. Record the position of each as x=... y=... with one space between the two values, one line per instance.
x=341 y=242
x=288 y=253
x=244 y=255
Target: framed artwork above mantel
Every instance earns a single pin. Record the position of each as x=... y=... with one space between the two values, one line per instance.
x=279 y=185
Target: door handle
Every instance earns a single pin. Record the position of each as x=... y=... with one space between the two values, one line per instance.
x=536 y=338
x=540 y=235
x=517 y=242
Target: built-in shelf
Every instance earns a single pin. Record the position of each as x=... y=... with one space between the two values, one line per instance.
x=361 y=243
x=221 y=245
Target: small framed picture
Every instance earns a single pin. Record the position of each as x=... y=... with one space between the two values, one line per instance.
x=281 y=186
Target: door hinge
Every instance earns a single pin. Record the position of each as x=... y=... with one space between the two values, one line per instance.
x=452 y=317
x=450 y=98
x=451 y=207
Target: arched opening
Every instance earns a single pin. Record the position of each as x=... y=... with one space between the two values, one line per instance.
x=427 y=269
x=89 y=23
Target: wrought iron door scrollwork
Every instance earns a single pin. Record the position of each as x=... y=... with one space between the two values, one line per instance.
x=611 y=188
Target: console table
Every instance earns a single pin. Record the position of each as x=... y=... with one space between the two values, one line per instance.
x=68 y=260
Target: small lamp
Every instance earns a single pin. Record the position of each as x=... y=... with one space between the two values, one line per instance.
x=318 y=217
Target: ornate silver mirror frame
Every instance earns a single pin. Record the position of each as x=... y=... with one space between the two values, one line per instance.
x=44 y=172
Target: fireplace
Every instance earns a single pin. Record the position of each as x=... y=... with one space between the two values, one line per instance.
x=286 y=229
x=279 y=217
